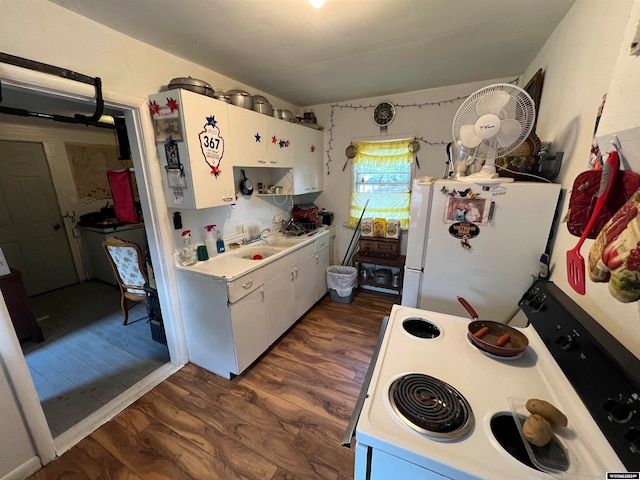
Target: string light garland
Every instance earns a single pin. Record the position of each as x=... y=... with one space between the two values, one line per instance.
x=401 y=106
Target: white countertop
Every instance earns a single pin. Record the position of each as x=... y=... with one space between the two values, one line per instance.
x=230 y=265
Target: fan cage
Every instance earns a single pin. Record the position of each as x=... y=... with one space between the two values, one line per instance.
x=519 y=107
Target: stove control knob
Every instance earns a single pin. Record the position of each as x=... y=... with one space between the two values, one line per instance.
x=617 y=411
x=567 y=342
x=633 y=437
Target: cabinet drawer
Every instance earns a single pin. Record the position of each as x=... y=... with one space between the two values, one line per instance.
x=244 y=285
x=322 y=241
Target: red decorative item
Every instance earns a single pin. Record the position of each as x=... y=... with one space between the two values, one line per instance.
x=313 y=148
x=154 y=108
x=120 y=181
x=274 y=140
x=172 y=104
x=215 y=170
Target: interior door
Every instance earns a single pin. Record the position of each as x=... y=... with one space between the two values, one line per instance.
x=32 y=234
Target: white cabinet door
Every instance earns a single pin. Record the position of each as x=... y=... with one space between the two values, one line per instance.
x=280 y=143
x=322 y=264
x=198 y=167
x=249 y=139
x=249 y=325
x=305 y=285
x=279 y=292
x=308 y=157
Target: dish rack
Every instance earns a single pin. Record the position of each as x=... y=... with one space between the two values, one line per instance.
x=308 y=225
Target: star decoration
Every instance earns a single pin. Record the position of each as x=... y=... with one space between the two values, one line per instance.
x=286 y=143
x=258 y=137
x=281 y=143
x=274 y=140
x=154 y=108
x=170 y=141
x=212 y=120
x=172 y=104
x=313 y=148
x=215 y=170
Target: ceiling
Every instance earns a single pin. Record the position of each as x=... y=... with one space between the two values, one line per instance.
x=347 y=49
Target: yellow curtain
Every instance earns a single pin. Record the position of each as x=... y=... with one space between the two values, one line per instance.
x=390 y=156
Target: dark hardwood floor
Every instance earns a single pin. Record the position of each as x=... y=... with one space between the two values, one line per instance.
x=282 y=419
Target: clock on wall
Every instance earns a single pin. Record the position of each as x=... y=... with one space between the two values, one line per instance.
x=383 y=114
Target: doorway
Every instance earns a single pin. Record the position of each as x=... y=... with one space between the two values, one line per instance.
x=42 y=435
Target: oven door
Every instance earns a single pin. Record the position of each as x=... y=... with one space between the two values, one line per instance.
x=349 y=434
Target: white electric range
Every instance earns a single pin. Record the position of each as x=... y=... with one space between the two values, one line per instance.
x=480 y=439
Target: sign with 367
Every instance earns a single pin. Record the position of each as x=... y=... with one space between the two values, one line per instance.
x=212 y=145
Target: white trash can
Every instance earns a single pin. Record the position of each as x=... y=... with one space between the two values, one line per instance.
x=342 y=282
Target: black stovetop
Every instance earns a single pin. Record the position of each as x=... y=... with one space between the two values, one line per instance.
x=603 y=372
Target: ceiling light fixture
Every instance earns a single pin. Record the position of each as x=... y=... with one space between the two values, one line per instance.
x=316 y=3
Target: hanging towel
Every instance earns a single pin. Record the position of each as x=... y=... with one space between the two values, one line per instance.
x=120 y=181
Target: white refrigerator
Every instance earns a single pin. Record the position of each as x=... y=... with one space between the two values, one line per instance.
x=482 y=243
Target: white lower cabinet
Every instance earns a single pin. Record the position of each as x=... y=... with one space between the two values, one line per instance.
x=305 y=285
x=223 y=337
x=249 y=326
x=322 y=264
x=228 y=325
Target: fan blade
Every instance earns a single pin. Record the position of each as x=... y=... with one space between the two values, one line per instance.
x=510 y=130
x=468 y=137
x=493 y=102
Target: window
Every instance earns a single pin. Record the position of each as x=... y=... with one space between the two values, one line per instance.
x=382 y=176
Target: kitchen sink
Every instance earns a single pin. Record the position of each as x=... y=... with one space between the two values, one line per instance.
x=285 y=242
x=257 y=253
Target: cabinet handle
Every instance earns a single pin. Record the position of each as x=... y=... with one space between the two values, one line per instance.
x=273 y=162
x=317 y=259
x=296 y=270
x=262 y=294
x=262 y=161
x=322 y=244
x=249 y=284
x=227 y=199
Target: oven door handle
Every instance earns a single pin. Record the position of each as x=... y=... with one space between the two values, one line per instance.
x=353 y=422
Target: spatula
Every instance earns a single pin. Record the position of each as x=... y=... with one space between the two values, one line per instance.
x=575 y=261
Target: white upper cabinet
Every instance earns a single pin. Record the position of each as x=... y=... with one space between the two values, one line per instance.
x=249 y=141
x=194 y=149
x=280 y=142
x=307 y=168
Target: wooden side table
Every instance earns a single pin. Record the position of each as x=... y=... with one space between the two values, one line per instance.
x=22 y=317
x=396 y=264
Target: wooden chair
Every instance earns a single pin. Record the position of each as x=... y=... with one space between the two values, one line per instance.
x=127 y=261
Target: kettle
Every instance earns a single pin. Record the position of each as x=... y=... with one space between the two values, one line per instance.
x=395 y=280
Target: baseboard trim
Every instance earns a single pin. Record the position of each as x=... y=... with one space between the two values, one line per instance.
x=25 y=470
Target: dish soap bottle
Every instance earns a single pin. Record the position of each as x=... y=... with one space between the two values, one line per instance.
x=210 y=240
x=219 y=242
x=188 y=254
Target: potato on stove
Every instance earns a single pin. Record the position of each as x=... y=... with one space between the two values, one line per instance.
x=537 y=430
x=554 y=416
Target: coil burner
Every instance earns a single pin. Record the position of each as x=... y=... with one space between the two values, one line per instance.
x=430 y=406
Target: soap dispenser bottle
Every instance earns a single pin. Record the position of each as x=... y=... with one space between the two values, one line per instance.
x=188 y=254
x=210 y=240
x=219 y=242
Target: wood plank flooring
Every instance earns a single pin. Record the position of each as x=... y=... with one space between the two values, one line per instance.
x=88 y=357
x=282 y=419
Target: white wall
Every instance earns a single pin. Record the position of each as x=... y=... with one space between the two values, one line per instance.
x=580 y=63
x=417 y=114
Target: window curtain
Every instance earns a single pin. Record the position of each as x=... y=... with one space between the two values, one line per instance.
x=390 y=156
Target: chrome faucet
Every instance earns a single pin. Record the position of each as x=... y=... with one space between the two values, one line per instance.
x=257 y=238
